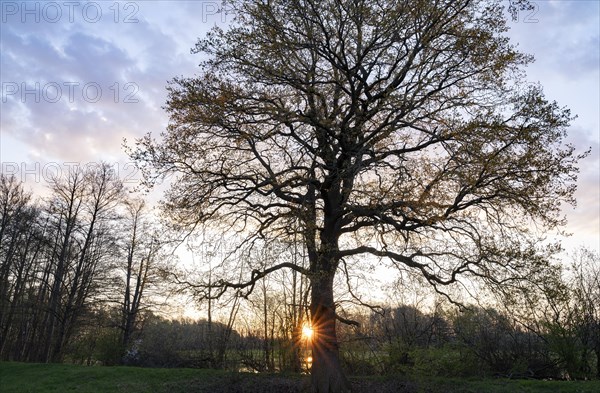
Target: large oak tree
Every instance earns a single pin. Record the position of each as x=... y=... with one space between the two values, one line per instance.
x=402 y=131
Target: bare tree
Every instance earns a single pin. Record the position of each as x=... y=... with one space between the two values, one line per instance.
x=139 y=275
x=136 y=269
x=397 y=131
x=20 y=243
x=81 y=204
x=65 y=207
x=585 y=288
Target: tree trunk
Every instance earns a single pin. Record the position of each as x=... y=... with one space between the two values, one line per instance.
x=326 y=372
x=597 y=349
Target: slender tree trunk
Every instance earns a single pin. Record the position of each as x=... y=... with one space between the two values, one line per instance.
x=266 y=349
x=210 y=335
x=126 y=324
x=70 y=313
x=223 y=342
x=54 y=317
x=327 y=374
x=20 y=282
x=597 y=348
x=295 y=327
x=37 y=314
x=55 y=297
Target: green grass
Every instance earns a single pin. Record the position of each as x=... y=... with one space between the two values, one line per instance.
x=42 y=378
x=59 y=378
x=440 y=385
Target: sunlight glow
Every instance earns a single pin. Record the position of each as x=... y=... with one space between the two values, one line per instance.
x=307 y=332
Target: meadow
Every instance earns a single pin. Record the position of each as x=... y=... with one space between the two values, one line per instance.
x=46 y=378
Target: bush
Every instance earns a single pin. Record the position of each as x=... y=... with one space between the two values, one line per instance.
x=399 y=359
x=108 y=349
x=354 y=365
x=446 y=361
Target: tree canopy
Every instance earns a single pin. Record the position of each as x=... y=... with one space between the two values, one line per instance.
x=403 y=130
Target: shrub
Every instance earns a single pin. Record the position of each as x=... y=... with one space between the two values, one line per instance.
x=445 y=361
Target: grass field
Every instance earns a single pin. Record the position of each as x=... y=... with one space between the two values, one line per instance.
x=42 y=378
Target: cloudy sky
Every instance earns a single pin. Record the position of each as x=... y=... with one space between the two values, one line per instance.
x=78 y=77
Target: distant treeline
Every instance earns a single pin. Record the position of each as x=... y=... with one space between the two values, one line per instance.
x=474 y=342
